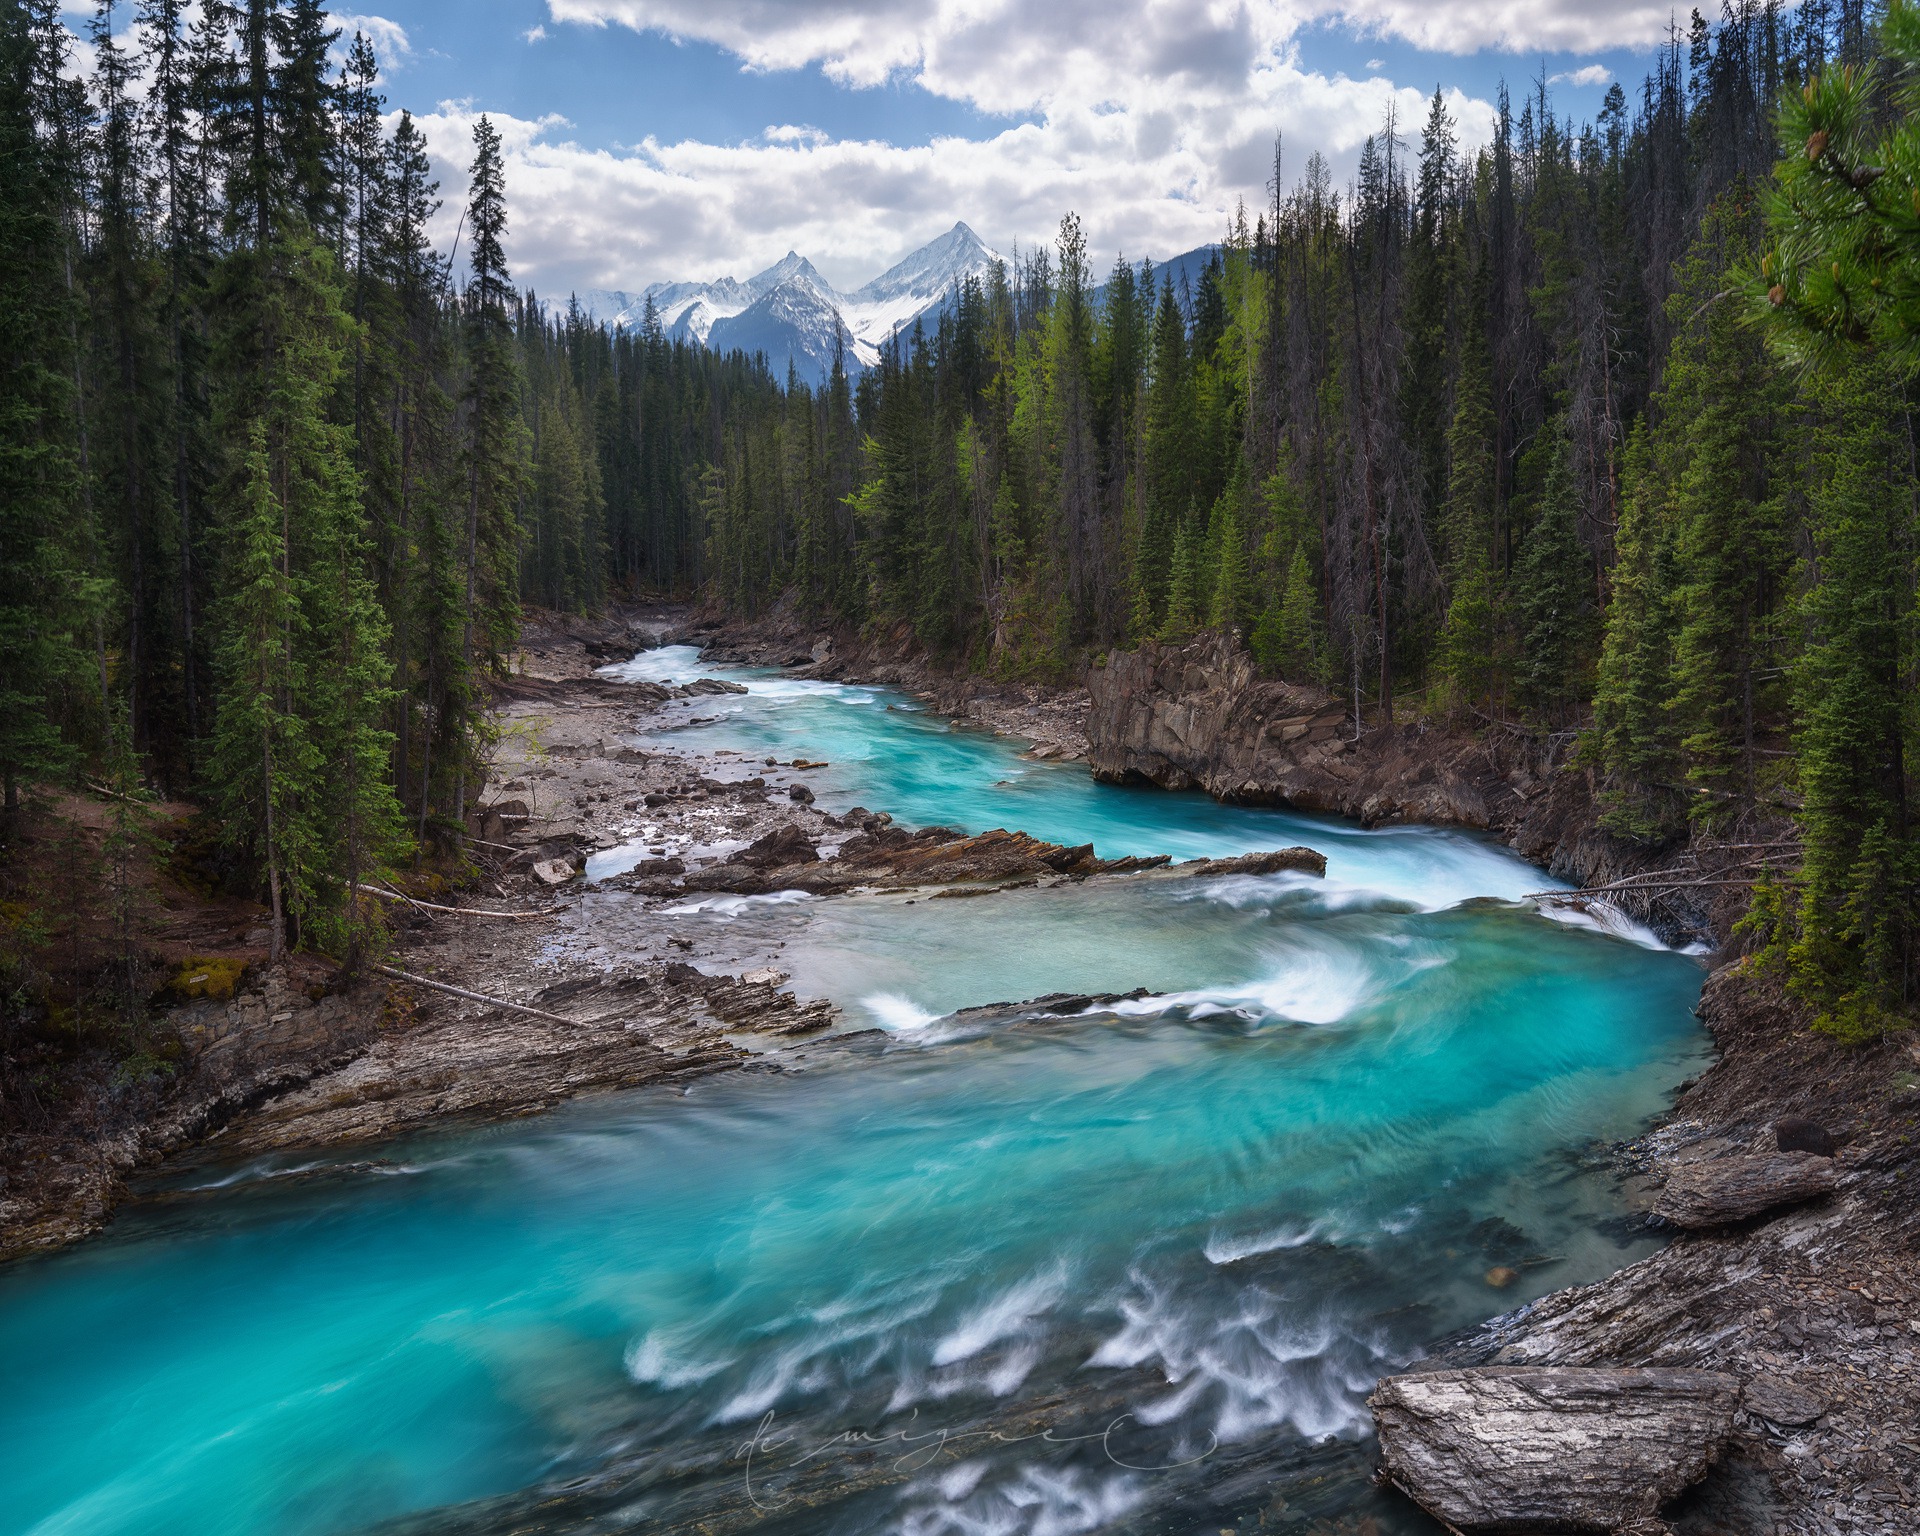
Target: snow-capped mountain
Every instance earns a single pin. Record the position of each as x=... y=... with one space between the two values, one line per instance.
x=792 y=314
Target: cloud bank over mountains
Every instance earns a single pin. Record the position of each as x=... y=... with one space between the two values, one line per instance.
x=1151 y=118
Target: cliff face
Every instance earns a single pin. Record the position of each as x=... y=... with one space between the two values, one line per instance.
x=1198 y=717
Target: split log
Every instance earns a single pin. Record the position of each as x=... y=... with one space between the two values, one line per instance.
x=1532 y=1448
x=1723 y=1190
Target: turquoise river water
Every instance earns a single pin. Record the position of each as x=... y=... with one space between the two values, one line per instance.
x=1033 y=1270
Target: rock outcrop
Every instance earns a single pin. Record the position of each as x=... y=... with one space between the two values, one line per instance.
x=886 y=857
x=1719 y=1191
x=1527 y=1449
x=1199 y=716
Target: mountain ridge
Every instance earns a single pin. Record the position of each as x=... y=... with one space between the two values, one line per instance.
x=793 y=315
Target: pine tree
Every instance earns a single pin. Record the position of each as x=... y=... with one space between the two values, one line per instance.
x=1852 y=955
x=261 y=762
x=1183 y=589
x=1289 y=640
x=1553 y=594
x=38 y=472
x=495 y=435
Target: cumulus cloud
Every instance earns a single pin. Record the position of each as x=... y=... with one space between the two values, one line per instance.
x=387 y=38
x=1513 y=26
x=1151 y=118
x=1587 y=74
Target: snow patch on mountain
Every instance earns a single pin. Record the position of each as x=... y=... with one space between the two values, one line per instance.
x=793 y=315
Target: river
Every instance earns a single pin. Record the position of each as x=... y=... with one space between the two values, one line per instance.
x=1037 y=1271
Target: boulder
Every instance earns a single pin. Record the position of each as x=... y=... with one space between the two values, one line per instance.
x=553 y=871
x=799 y=794
x=702 y=686
x=784 y=845
x=1796 y=1133
x=1781 y=1400
x=1550 y=1448
x=1306 y=860
x=1723 y=1190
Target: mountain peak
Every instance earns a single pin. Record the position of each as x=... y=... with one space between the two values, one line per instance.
x=789 y=311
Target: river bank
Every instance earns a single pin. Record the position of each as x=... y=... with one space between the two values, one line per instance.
x=690 y=999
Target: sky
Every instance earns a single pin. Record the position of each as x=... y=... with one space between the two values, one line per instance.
x=652 y=140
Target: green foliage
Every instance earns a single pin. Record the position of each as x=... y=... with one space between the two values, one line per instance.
x=1553 y=598
x=1844 y=209
x=1851 y=956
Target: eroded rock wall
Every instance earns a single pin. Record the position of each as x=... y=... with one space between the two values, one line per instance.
x=1199 y=716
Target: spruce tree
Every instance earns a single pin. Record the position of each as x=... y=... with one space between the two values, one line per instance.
x=39 y=488
x=1553 y=595
x=495 y=449
x=1852 y=954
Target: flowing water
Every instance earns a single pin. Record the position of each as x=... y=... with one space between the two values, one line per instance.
x=1065 y=1268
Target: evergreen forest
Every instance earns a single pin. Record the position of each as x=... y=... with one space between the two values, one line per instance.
x=1600 y=430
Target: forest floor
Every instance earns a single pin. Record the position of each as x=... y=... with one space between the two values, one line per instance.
x=1817 y=1308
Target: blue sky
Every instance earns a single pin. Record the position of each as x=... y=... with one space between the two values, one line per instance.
x=664 y=139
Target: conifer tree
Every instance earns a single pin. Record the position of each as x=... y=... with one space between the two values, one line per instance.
x=495 y=434
x=1852 y=951
x=1553 y=595
x=38 y=473
x=1183 y=588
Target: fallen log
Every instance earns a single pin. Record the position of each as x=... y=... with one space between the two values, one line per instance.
x=1723 y=1190
x=478 y=997
x=429 y=906
x=1559 y=1448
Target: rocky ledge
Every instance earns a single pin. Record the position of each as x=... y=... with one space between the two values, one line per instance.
x=881 y=856
x=1525 y=1449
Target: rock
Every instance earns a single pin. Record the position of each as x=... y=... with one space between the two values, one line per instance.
x=1796 y=1133
x=702 y=686
x=784 y=845
x=1501 y=1276
x=1781 y=1401
x=1303 y=859
x=800 y=795
x=763 y=978
x=553 y=871
x=1530 y=1448
x=1723 y=1190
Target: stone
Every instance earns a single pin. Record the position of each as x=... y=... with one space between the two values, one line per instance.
x=1796 y=1133
x=553 y=871
x=784 y=845
x=1780 y=1400
x=1534 y=1448
x=1306 y=860
x=1501 y=1276
x=800 y=795
x=702 y=686
x=1723 y=1190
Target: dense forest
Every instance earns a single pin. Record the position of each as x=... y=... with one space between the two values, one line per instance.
x=1602 y=431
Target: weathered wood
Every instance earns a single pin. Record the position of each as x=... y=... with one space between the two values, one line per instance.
x=1723 y=1190
x=1550 y=1448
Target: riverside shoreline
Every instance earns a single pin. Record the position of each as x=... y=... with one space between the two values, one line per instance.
x=1822 y=1300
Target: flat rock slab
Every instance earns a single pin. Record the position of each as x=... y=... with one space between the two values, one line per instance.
x=1723 y=1190
x=1550 y=1448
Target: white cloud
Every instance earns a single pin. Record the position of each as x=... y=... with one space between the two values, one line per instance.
x=1587 y=74
x=1151 y=118
x=387 y=38
x=1512 y=26
x=535 y=33
x=1153 y=181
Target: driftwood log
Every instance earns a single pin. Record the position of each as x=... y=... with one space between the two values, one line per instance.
x=1723 y=1190
x=1550 y=1448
